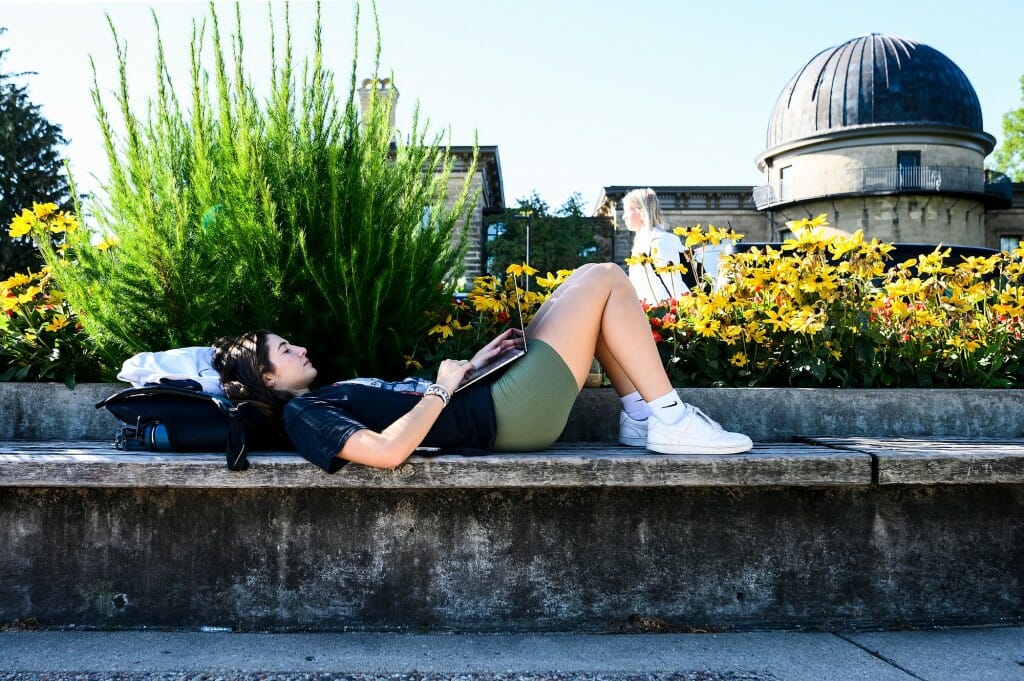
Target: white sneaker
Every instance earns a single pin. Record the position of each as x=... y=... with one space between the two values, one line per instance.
x=695 y=433
x=632 y=433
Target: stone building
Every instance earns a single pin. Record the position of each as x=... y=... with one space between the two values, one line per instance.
x=491 y=199
x=879 y=133
x=485 y=181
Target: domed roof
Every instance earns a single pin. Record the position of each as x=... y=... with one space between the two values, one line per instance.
x=874 y=80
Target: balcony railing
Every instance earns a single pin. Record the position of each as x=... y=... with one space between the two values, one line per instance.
x=888 y=180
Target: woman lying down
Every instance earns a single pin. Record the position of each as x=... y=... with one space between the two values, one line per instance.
x=595 y=312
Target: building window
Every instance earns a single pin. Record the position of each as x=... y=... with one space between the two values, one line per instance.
x=785 y=180
x=1008 y=242
x=495 y=227
x=908 y=167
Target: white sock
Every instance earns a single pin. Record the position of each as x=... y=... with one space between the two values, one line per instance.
x=668 y=408
x=635 y=407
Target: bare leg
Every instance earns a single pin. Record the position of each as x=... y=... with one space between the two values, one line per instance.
x=620 y=381
x=596 y=311
x=611 y=368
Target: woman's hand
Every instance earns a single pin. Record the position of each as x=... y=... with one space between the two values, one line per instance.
x=509 y=339
x=452 y=372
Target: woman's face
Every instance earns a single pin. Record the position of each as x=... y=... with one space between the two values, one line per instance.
x=292 y=371
x=632 y=216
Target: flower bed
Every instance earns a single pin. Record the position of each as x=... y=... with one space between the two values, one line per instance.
x=820 y=311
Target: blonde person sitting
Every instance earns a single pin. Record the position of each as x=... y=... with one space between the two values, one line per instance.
x=655 y=246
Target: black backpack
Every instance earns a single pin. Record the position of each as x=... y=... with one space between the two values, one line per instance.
x=180 y=417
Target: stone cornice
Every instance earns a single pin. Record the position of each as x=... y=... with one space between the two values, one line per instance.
x=868 y=135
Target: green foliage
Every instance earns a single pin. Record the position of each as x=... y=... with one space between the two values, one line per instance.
x=31 y=168
x=563 y=239
x=1009 y=157
x=295 y=213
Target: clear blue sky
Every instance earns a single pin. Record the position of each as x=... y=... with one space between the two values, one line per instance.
x=576 y=94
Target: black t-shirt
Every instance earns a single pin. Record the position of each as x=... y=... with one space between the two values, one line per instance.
x=320 y=422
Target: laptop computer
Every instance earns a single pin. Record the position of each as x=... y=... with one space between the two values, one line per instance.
x=504 y=359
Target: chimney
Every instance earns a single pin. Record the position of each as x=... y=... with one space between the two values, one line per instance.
x=384 y=93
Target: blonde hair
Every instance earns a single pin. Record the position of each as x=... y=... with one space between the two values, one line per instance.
x=647 y=202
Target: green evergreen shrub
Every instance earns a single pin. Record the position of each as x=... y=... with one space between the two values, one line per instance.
x=296 y=213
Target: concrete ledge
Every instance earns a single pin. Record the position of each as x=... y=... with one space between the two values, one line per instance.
x=780 y=414
x=89 y=464
x=48 y=411
x=934 y=461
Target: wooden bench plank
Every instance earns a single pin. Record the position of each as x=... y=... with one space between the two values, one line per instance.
x=95 y=464
x=929 y=461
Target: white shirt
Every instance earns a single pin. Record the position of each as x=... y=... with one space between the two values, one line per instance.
x=663 y=247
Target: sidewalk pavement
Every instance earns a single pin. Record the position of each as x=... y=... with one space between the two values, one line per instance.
x=978 y=654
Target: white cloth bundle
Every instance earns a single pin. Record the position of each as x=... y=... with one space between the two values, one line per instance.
x=194 y=363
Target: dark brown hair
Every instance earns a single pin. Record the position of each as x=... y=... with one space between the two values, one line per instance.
x=241 y=362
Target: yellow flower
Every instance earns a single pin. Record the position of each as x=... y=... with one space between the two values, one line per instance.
x=638 y=259
x=58 y=323
x=444 y=330
x=44 y=210
x=738 y=360
x=108 y=242
x=22 y=224
x=668 y=269
x=844 y=244
x=484 y=303
x=730 y=333
x=518 y=270
x=776 y=320
x=904 y=287
x=932 y=263
x=808 y=321
x=28 y=294
x=809 y=223
x=17 y=279
x=692 y=236
x=706 y=327
x=968 y=345
x=411 y=363
x=62 y=222
x=716 y=236
x=552 y=280
x=977 y=265
x=754 y=333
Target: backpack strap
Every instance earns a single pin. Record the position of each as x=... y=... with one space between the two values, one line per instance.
x=236 y=453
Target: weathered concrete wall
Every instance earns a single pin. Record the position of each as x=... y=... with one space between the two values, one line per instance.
x=779 y=414
x=486 y=560
x=47 y=411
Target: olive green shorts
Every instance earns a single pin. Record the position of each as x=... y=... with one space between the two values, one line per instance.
x=532 y=400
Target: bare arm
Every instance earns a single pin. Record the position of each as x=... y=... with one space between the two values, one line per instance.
x=391 y=447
